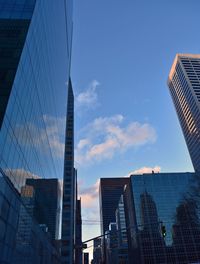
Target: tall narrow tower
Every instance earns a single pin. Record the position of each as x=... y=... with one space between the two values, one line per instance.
x=68 y=207
x=184 y=86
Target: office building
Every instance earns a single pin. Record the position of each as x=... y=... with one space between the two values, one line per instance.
x=111 y=241
x=96 y=251
x=35 y=52
x=116 y=244
x=121 y=232
x=47 y=204
x=78 y=252
x=163 y=218
x=184 y=86
x=78 y=234
x=69 y=185
x=121 y=222
x=9 y=215
x=26 y=217
x=110 y=190
x=32 y=241
x=85 y=258
x=14 y=25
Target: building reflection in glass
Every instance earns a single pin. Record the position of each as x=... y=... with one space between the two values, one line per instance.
x=35 y=55
x=162 y=211
x=35 y=49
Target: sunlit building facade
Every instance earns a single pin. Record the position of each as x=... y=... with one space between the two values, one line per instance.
x=163 y=219
x=184 y=86
x=35 y=55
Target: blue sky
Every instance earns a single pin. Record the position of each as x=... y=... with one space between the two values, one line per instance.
x=125 y=119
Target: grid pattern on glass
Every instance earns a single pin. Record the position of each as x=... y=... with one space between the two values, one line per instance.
x=21 y=238
x=33 y=129
x=167 y=218
x=12 y=38
x=32 y=134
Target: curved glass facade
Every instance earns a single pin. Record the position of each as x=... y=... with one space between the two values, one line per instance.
x=35 y=55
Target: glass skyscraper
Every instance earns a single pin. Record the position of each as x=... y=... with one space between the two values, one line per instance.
x=163 y=218
x=35 y=55
x=69 y=185
x=122 y=232
x=184 y=86
x=110 y=190
x=47 y=193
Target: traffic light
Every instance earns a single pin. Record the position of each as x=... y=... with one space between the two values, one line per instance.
x=163 y=231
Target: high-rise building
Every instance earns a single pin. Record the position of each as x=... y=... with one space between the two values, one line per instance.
x=47 y=204
x=110 y=190
x=184 y=86
x=96 y=251
x=78 y=234
x=111 y=241
x=121 y=223
x=14 y=24
x=35 y=54
x=78 y=226
x=163 y=221
x=122 y=232
x=69 y=185
x=86 y=258
x=32 y=245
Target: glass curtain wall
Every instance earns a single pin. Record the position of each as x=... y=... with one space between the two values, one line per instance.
x=35 y=55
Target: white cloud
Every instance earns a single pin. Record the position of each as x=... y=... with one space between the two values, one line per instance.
x=18 y=176
x=83 y=143
x=21 y=173
x=54 y=127
x=142 y=170
x=41 y=137
x=105 y=137
x=89 y=196
x=88 y=98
